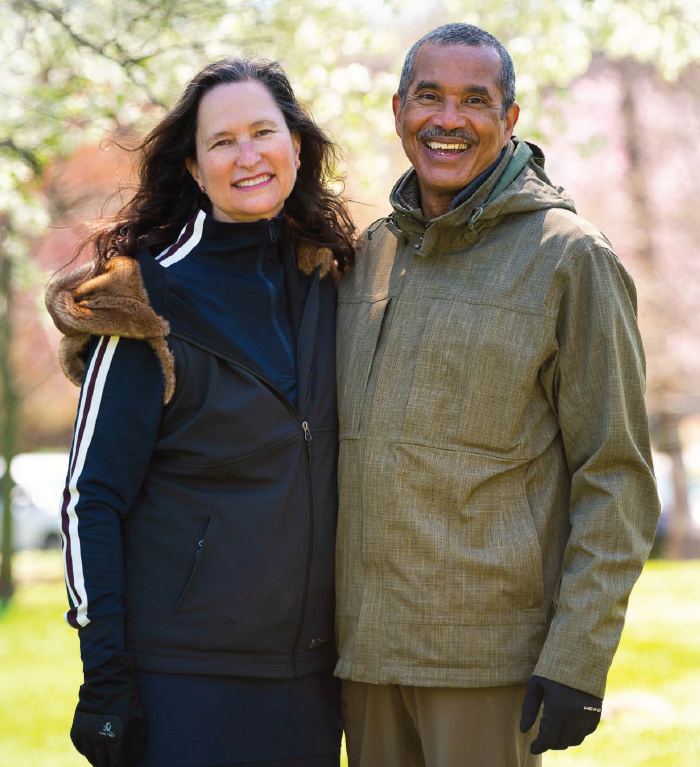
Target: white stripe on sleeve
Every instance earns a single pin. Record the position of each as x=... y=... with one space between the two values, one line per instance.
x=78 y=592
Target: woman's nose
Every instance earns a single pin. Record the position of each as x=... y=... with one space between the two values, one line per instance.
x=248 y=155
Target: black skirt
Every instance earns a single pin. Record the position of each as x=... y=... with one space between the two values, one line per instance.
x=205 y=721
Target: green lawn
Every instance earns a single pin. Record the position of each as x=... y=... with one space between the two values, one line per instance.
x=651 y=708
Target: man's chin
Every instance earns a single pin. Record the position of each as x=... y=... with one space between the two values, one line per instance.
x=443 y=184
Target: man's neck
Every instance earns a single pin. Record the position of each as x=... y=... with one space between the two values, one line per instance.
x=433 y=206
x=475 y=183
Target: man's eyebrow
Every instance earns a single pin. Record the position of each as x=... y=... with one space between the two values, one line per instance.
x=429 y=84
x=477 y=90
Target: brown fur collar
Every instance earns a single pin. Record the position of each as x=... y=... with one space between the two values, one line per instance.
x=115 y=303
x=309 y=257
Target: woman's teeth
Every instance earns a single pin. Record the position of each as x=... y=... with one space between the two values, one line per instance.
x=254 y=181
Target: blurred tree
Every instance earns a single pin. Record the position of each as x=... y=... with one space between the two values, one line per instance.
x=8 y=409
x=625 y=155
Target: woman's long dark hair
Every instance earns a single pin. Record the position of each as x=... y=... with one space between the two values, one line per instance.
x=167 y=196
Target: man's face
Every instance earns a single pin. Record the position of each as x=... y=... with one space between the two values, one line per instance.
x=451 y=124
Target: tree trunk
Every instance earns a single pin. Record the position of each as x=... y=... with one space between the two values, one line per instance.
x=679 y=543
x=9 y=420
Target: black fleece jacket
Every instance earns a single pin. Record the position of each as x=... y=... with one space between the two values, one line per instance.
x=200 y=534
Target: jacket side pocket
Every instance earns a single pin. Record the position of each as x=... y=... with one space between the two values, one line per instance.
x=198 y=553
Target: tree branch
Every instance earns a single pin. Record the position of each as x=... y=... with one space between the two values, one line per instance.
x=24 y=154
x=125 y=63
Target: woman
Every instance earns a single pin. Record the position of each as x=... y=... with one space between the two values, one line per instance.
x=199 y=511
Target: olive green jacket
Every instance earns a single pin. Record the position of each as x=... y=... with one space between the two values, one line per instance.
x=497 y=499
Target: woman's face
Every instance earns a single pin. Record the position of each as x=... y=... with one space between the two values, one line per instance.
x=245 y=153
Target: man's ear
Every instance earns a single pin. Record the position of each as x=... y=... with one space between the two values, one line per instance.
x=510 y=120
x=193 y=168
x=396 y=106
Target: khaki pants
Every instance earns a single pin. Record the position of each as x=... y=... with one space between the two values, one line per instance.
x=399 y=726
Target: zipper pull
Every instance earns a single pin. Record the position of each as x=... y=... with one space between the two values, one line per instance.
x=307 y=431
x=271 y=228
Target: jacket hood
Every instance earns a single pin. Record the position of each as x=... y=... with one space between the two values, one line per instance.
x=518 y=184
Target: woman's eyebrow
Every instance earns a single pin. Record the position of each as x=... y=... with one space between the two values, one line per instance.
x=228 y=132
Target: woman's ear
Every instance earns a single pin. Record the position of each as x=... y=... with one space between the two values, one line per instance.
x=193 y=168
x=296 y=143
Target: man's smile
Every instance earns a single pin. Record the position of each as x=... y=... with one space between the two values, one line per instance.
x=446 y=148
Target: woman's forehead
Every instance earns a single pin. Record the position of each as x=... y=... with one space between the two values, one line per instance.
x=235 y=106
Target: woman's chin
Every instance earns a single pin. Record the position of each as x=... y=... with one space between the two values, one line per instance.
x=245 y=214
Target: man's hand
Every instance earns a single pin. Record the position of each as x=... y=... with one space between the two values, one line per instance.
x=108 y=727
x=569 y=715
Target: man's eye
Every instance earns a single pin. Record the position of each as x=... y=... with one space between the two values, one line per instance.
x=475 y=100
x=427 y=97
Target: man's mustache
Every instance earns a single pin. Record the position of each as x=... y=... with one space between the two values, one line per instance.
x=436 y=131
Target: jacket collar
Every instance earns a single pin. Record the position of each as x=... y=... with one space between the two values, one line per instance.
x=138 y=298
x=518 y=184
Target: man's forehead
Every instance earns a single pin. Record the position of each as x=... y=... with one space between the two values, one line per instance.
x=469 y=64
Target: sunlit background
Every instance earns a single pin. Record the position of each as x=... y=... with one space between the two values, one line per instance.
x=610 y=89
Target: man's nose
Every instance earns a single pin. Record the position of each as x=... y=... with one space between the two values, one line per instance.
x=248 y=155
x=451 y=116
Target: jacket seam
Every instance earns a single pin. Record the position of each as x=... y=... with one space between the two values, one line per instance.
x=227 y=461
x=449 y=449
x=498 y=305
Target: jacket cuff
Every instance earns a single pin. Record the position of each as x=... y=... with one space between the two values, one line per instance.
x=101 y=639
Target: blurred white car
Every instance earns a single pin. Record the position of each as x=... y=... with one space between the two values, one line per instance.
x=36 y=498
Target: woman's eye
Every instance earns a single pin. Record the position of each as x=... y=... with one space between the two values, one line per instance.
x=264 y=132
x=222 y=142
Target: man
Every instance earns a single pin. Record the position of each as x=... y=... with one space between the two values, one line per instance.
x=497 y=500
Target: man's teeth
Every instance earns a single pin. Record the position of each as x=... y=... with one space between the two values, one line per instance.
x=440 y=145
x=254 y=181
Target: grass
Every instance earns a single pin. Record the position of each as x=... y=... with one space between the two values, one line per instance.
x=651 y=709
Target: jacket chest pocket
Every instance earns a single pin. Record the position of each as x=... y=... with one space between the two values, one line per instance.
x=359 y=330
x=475 y=384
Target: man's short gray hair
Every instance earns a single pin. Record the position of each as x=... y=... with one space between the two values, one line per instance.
x=462 y=34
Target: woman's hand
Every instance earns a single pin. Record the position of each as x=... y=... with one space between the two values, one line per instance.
x=108 y=727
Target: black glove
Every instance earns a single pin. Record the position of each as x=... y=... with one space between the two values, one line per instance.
x=108 y=727
x=569 y=715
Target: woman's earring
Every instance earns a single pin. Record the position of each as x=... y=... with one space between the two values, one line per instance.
x=297 y=165
x=201 y=187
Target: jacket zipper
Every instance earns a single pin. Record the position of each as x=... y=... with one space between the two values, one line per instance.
x=273 y=298
x=310 y=531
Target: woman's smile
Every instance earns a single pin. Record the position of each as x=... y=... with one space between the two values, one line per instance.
x=254 y=183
